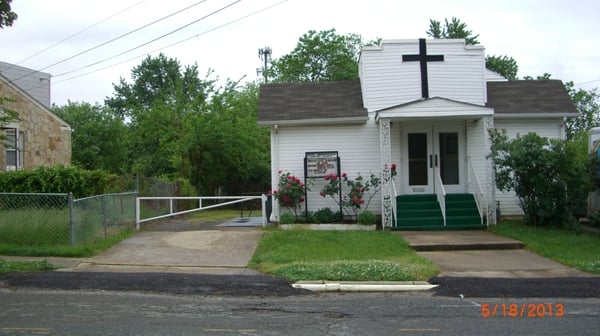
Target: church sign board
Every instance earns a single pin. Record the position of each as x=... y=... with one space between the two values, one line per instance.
x=320 y=164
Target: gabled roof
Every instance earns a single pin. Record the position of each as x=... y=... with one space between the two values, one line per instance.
x=518 y=97
x=434 y=107
x=41 y=106
x=311 y=103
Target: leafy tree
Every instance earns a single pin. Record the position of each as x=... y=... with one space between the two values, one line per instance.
x=551 y=177
x=156 y=106
x=7 y=16
x=319 y=56
x=455 y=29
x=225 y=147
x=545 y=76
x=504 y=65
x=160 y=80
x=587 y=103
x=181 y=126
x=99 y=139
x=451 y=30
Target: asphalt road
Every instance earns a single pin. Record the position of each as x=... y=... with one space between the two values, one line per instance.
x=264 y=285
x=57 y=312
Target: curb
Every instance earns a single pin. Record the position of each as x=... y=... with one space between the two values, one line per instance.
x=369 y=286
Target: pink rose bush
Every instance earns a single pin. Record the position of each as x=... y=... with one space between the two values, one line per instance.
x=291 y=192
x=358 y=192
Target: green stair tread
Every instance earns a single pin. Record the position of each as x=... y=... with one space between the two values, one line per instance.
x=422 y=212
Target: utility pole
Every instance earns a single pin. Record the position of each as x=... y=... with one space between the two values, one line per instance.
x=265 y=55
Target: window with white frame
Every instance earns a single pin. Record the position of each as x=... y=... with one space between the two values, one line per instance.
x=14 y=149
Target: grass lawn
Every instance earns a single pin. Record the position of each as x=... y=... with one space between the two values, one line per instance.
x=340 y=255
x=63 y=250
x=25 y=266
x=580 y=250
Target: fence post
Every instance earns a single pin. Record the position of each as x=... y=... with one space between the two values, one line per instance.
x=104 y=220
x=263 y=199
x=137 y=212
x=71 y=233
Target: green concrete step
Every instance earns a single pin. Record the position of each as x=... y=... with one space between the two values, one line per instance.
x=422 y=212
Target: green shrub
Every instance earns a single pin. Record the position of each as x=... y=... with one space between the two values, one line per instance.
x=325 y=215
x=287 y=218
x=59 y=179
x=595 y=220
x=551 y=177
x=367 y=218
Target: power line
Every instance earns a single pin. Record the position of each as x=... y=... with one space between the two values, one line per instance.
x=588 y=82
x=159 y=49
x=112 y=40
x=165 y=47
x=77 y=33
x=148 y=42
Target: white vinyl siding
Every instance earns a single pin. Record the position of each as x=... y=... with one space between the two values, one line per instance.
x=549 y=128
x=478 y=147
x=387 y=81
x=357 y=147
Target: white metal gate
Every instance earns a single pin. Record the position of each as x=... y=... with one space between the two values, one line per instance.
x=231 y=200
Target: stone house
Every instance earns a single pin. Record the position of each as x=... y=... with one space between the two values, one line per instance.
x=38 y=137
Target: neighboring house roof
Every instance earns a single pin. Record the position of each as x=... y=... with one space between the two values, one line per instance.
x=42 y=107
x=35 y=83
x=311 y=103
x=519 y=97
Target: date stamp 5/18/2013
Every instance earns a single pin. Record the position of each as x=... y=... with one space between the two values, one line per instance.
x=522 y=310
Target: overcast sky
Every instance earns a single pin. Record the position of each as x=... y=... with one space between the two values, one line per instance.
x=558 y=37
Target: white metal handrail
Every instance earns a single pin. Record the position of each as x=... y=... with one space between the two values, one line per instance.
x=440 y=192
x=394 y=203
x=234 y=200
x=475 y=188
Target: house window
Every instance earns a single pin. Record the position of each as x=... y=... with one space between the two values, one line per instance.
x=14 y=150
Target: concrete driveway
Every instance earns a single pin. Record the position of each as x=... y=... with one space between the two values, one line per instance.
x=210 y=249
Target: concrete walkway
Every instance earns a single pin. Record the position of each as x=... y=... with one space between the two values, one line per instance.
x=226 y=250
x=483 y=254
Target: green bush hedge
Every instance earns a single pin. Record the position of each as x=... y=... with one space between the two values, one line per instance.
x=60 y=179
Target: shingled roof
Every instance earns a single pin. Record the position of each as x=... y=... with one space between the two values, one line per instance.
x=298 y=103
x=529 y=96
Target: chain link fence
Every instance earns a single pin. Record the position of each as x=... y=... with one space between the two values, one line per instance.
x=152 y=187
x=57 y=219
x=99 y=217
x=34 y=219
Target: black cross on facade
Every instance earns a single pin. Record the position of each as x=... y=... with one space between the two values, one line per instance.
x=423 y=58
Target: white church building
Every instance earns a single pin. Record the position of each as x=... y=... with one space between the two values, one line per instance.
x=425 y=106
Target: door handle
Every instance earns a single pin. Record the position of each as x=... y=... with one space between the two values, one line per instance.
x=436 y=160
x=430 y=161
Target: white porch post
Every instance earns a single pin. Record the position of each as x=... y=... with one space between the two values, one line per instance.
x=491 y=195
x=386 y=178
x=274 y=172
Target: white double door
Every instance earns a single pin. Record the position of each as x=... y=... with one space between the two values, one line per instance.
x=431 y=149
